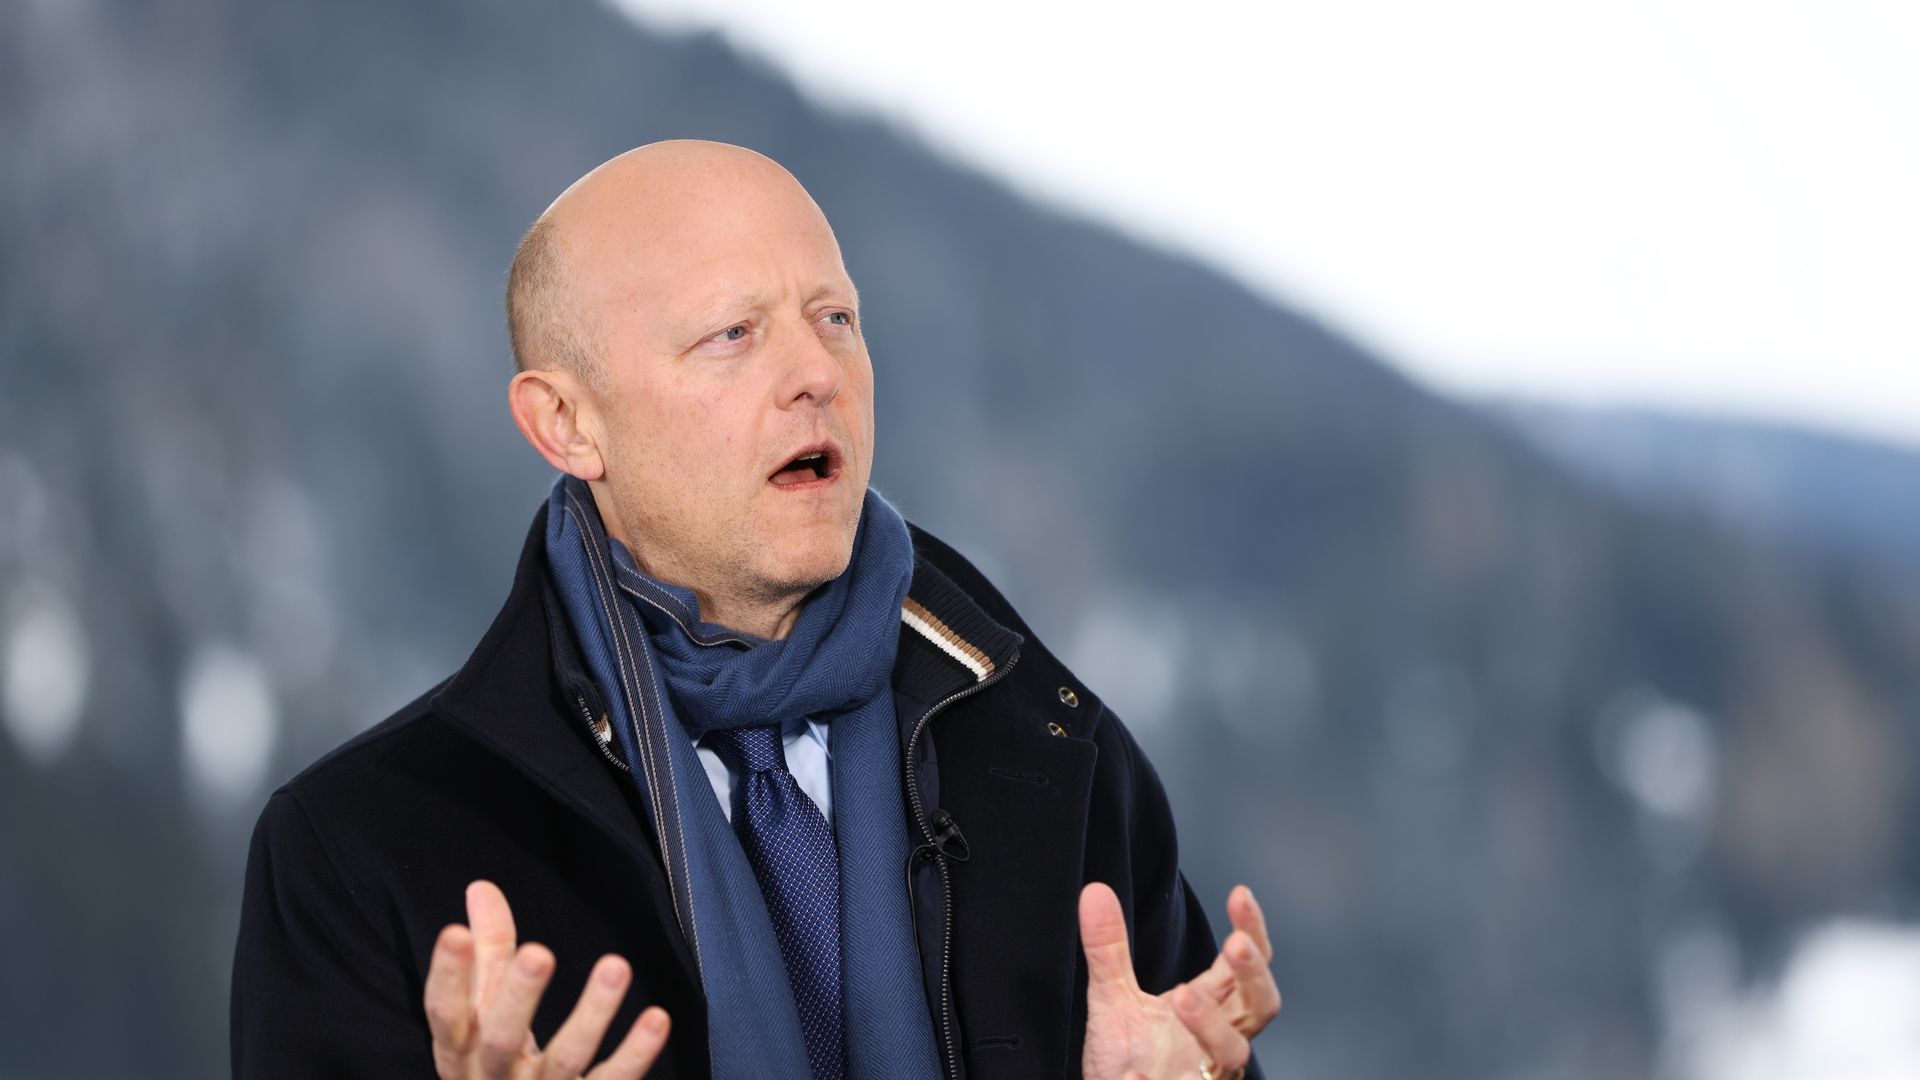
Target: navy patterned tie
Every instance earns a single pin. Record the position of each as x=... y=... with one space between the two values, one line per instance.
x=790 y=846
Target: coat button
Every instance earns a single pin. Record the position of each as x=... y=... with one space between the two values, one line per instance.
x=1068 y=698
x=1057 y=730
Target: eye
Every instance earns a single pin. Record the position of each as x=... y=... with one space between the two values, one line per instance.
x=840 y=318
x=732 y=333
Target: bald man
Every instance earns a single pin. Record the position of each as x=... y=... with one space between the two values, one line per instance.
x=656 y=824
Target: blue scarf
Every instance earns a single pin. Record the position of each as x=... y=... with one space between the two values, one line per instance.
x=668 y=678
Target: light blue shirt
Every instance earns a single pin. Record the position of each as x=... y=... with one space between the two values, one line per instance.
x=805 y=744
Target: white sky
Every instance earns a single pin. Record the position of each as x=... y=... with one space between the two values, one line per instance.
x=1702 y=203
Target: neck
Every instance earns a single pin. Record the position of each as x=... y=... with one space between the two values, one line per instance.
x=772 y=620
x=769 y=617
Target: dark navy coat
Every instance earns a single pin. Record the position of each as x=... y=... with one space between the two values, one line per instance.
x=1023 y=787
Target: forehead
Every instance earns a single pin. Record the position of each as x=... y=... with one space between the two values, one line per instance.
x=757 y=267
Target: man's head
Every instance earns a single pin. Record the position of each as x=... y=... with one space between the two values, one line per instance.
x=684 y=329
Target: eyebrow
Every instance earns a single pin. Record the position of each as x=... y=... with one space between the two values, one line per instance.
x=721 y=304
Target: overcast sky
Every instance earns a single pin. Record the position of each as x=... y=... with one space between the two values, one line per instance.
x=1691 y=202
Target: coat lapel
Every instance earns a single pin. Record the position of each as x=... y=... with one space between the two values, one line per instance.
x=518 y=696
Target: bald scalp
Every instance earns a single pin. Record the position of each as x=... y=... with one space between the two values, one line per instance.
x=546 y=328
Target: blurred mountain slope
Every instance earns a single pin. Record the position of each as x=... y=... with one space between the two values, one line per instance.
x=1485 y=734
x=1830 y=492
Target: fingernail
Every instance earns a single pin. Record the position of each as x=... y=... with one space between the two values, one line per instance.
x=654 y=1020
x=610 y=975
x=528 y=963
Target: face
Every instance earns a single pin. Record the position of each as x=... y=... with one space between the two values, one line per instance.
x=736 y=412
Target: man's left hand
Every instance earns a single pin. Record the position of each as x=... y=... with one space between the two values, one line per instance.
x=1200 y=1027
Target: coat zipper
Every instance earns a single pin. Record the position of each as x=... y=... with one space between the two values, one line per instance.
x=593 y=732
x=940 y=858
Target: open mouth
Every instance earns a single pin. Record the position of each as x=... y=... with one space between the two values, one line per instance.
x=805 y=468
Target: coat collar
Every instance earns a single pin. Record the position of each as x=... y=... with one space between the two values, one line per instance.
x=956 y=642
x=948 y=641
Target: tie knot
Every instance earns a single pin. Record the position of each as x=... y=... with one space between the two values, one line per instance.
x=750 y=749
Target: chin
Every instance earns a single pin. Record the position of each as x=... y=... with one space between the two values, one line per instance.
x=800 y=556
x=816 y=563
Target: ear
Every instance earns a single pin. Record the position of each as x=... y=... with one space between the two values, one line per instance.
x=555 y=412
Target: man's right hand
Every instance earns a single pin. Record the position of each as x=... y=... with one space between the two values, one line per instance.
x=481 y=993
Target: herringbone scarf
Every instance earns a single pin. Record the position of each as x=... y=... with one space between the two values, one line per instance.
x=669 y=678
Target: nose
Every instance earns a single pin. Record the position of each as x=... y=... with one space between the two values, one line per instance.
x=813 y=372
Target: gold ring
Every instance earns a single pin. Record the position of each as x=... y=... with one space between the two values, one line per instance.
x=1210 y=1071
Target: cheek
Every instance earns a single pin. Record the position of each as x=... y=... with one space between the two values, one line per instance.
x=717 y=428
x=713 y=433
x=690 y=418
x=857 y=390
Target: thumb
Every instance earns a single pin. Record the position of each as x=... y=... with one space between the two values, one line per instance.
x=1103 y=935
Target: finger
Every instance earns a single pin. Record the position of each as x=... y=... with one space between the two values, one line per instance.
x=1245 y=913
x=449 y=999
x=1218 y=1039
x=505 y=1022
x=1218 y=982
x=635 y=1054
x=1259 y=995
x=1103 y=935
x=494 y=938
x=573 y=1046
